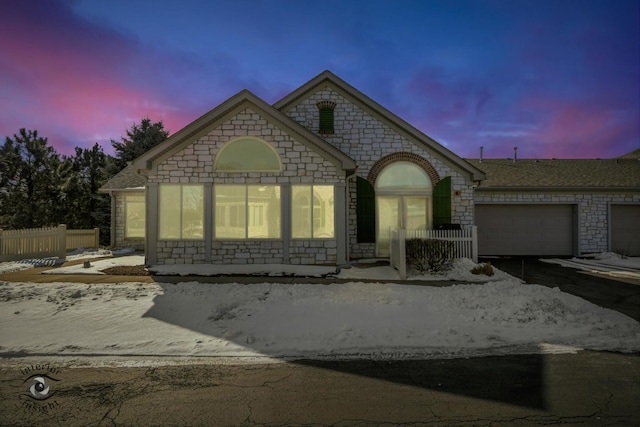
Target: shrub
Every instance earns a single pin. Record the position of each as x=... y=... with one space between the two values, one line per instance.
x=429 y=255
x=485 y=269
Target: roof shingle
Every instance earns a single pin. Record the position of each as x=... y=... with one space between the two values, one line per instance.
x=559 y=173
x=126 y=179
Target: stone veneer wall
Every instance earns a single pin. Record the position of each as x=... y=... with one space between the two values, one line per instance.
x=194 y=165
x=120 y=241
x=593 y=211
x=367 y=139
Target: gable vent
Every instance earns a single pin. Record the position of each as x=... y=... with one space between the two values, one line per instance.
x=325 y=123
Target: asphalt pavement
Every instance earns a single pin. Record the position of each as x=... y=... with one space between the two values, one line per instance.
x=622 y=295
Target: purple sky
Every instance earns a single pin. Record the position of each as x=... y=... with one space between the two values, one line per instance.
x=557 y=78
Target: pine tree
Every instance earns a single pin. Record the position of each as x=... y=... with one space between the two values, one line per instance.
x=84 y=174
x=140 y=138
x=30 y=182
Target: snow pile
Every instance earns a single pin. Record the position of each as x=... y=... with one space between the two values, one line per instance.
x=291 y=321
x=606 y=263
x=460 y=271
x=11 y=266
x=96 y=267
x=81 y=253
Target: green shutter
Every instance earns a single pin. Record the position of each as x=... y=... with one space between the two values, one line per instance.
x=442 y=202
x=326 y=120
x=366 y=211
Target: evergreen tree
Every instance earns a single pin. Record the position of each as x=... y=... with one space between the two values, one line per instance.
x=140 y=138
x=30 y=182
x=84 y=174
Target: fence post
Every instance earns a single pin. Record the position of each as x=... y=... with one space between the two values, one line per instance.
x=1 y=245
x=96 y=237
x=474 y=243
x=402 y=235
x=62 y=241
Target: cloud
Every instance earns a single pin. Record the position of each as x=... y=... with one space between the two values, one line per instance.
x=75 y=80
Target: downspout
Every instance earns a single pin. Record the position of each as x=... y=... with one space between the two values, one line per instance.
x=114 y=220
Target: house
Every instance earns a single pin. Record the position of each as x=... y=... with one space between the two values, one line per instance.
x=320 y=177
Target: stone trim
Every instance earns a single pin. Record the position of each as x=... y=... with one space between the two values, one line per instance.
x=326 y=104
x=403 y=157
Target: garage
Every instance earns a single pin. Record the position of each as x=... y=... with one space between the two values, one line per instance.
x=526 y=229
x=625 y=229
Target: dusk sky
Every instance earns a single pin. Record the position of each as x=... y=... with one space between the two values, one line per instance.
x=556 y=78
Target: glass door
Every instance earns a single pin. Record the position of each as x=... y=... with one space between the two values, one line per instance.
x=389 y=215
x=410 y=212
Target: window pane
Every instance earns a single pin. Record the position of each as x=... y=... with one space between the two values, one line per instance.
x=169 y=211
x=134 y=217
x=403 y=175
x=230 y=221
x=192 y=212
x=301 y=211
x=416 y=213
x=323 y=211
x=388 y=218
x=247 y=155
x=264 y=212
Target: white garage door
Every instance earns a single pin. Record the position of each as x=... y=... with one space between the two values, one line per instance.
x=625 y=229
x=525 y=229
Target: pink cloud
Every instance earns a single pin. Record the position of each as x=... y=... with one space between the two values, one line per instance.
x=76 y=79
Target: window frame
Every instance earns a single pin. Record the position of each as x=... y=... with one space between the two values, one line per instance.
x=312 y=208
x=225 y=147
x=126 y=204
x=249 y=208
x=181 y=211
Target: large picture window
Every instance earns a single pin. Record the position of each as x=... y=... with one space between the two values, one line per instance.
x=134 y=217
x=312 y=212
x=247 y=212
x=181 y=213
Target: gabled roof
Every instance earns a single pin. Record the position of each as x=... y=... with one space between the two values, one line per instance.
x=635 y=155
x=228 y=109
x=379 y=112
x=559 y=174
x=127 y=179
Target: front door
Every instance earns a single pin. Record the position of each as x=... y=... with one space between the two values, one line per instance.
x=403 y=200
x=409 y=212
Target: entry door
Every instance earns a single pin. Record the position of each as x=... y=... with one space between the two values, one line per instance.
x=410 y=212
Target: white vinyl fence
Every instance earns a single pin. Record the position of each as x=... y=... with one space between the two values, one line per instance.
x=466 y=244
x=44 y=242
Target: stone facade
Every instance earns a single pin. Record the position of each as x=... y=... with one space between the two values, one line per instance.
x=194 y=164
x=367 y=139
x=118 y=240
x=593 y=211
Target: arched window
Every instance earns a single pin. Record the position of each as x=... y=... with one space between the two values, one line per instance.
x=248 y=155
x=403 y=176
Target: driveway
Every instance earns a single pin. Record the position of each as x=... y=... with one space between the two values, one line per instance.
x=587 y=388
x=622 y=296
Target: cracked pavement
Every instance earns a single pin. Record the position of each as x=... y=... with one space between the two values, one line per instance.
x=587 y=388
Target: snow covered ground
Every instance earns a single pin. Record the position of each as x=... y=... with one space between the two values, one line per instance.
x=606 y=263
x=284 y=321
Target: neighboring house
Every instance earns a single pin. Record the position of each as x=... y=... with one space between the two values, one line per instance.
x=558 y=206
x=319 y=178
